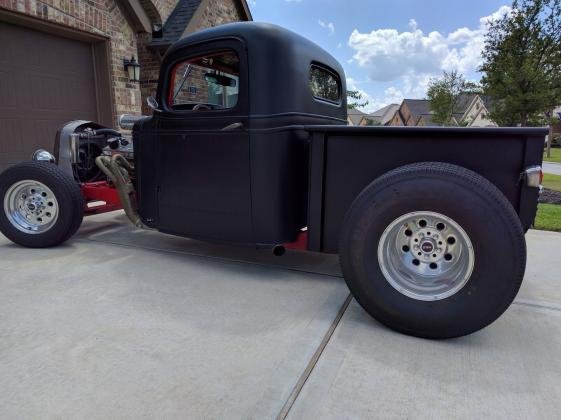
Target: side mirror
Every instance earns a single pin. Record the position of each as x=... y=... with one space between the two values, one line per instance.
x=153 y=104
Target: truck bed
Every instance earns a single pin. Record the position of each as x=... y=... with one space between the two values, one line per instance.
x=345 y=159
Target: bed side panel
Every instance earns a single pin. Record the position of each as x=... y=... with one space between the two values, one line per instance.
x=353 y=161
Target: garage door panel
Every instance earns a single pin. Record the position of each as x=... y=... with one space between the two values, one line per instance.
x=43 y=134
x=10 y=136
x=7 y=91
x=45 y=81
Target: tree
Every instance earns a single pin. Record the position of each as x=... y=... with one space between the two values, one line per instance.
x=353 y=98
x=522 y=63
x=444 y=95
x=372 y=123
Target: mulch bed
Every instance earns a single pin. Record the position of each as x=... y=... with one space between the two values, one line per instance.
x=550 y=196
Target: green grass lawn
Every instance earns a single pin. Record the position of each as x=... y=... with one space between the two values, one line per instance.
x=553 y=182
x=555 y=155
x=548 y=217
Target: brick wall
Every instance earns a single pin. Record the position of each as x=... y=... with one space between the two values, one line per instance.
x=217 y=13
x=149 y=71
x=165 y=7
x=101 y=17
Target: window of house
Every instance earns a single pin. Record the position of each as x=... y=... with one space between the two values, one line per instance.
x=324 y=84
x=210 y=82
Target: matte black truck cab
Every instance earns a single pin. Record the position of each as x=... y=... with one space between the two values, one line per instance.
x=247 y=184
x=248 y=144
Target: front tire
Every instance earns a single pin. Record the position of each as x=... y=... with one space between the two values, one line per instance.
x=41 y=205
x=433 y=250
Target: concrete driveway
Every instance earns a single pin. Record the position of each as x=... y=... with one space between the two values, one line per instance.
x=121 y=323
x=551 y=168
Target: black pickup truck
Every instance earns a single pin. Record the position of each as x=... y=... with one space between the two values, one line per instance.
x=249 y=144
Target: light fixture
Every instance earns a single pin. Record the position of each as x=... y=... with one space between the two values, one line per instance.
x=157 y=30
x=133 y=69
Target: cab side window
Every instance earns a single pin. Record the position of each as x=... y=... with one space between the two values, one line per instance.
x=209 y=82
x=324 y=84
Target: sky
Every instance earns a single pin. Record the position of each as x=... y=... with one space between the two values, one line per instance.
x=390 y=49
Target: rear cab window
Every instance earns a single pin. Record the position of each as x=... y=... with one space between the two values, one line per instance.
x=205 y=83
x=325 y=84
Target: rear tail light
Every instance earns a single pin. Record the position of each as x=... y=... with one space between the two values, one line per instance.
x=534 y=176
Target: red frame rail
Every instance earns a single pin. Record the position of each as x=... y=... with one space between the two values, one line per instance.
x=100 y=197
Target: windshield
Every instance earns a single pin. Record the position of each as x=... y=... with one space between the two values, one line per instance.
x=206 y=83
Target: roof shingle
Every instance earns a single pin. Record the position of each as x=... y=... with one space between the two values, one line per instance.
x=177 y=22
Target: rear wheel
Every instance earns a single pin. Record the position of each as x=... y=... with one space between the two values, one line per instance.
x=433 y=250
x=42 y=206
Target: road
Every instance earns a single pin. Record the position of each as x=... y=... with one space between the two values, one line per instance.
x=124 y=323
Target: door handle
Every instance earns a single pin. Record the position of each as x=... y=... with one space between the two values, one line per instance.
x=233 y=126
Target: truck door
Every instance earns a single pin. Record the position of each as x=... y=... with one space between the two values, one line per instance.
x=203 y=148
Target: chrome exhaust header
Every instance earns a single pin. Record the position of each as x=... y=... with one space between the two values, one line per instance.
x=127 y=121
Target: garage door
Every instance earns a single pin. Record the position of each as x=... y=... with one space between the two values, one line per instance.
x=45 y=80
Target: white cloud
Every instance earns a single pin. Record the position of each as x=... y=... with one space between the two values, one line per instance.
x=391 y=95
x=413 y=24
x=327 y=25
x=413 y=56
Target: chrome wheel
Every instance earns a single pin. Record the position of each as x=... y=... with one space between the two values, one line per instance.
x=426 y=255
x=31 y=207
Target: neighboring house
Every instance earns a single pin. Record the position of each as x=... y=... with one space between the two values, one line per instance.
x=409 y=112
x=397 y=119
x=471 y=111
x=425 y=120
x=383 y=116
x=64 y=59
x=475 y=113
x=354 y=116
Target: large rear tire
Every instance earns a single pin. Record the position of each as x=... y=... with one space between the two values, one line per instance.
x=41 y=205
x=433 y=250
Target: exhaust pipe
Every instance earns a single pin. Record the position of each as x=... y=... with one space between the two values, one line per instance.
x=118 y=170
x=279 y=250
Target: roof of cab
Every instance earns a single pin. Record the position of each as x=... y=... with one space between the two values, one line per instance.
x=276 y=57
x=257 y=34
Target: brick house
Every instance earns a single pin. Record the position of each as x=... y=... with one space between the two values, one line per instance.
x=471 y=111
x=382 y=116
x=354 y=116
x=409 y=112
x=64 y=59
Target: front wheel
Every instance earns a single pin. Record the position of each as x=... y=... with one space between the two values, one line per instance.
x=433 y=250
x=42 y=206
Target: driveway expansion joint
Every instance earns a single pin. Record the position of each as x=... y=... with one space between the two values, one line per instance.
x=313 y=361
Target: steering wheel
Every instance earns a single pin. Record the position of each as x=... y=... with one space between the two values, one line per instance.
x=201 y=106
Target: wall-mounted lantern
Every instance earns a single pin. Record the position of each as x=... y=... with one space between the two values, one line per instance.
x=157 y=30
x=133 y=69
